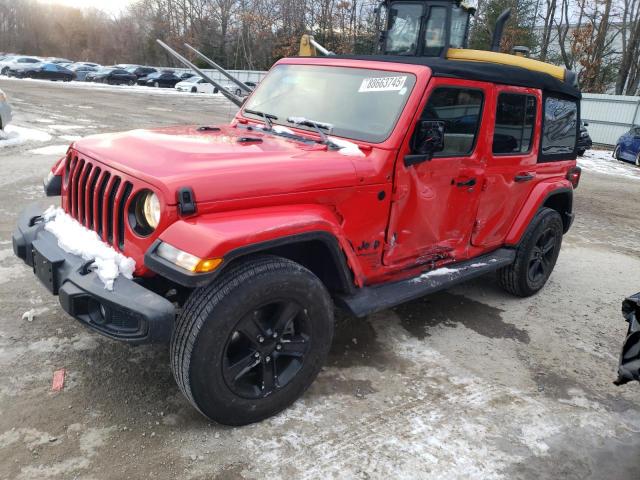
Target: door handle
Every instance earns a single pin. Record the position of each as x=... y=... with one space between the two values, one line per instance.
x=469 y=183
x=524 y=177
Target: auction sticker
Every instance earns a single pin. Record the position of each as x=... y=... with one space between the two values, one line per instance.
x=382 y=84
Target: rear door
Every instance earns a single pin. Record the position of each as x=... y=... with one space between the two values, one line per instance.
x=510 y=170
x=434 y=202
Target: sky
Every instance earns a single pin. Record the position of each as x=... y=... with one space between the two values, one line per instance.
x=109 y=6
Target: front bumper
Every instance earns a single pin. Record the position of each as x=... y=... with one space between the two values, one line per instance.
x=629 y=367
x=130 y=312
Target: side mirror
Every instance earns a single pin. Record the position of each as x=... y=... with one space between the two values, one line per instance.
x=428 y=139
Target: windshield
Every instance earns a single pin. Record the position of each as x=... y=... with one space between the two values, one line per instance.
x=192 y=80
x=359 y=103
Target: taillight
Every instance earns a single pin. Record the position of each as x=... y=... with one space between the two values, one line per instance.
x=574 y=176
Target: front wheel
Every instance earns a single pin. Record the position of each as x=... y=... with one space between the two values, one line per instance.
x=616 y=152
x=194 y=90
x=638 y=160
x=581 y=152
x=248 y=345
x=536 y=255
x=156 y=84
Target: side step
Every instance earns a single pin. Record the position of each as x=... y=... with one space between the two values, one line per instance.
x=375 y=298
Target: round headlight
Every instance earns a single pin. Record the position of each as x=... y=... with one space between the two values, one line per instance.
x=144 y=213
x=151 y=209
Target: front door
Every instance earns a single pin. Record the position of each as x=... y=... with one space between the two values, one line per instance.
x=511 y=163
x=434 y=203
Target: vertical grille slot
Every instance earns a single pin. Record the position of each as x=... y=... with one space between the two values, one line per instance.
x=72 y=167
x=90 y=206
x=121 y=213
x=83 y=193
x=74 y=180
x=101 y=200
x=110 y=207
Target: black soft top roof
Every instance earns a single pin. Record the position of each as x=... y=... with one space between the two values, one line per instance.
x=481 y=71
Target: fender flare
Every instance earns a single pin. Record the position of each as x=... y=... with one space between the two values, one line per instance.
x=236 y=234
x=540 y=194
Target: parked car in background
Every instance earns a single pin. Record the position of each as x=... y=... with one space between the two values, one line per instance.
x=89 y=64
x=112 y=76
x=140 y=72
x=44 y=71
x=195 y=84
x=6 y=64
x=5 y=110
x=628 y=146
x=82 y=70
x=584 y=142
x=59 y=60
x=241 y=93
x=164 y=79
x=186 y=75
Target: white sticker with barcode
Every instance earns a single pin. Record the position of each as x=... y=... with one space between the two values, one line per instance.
x=382 y=84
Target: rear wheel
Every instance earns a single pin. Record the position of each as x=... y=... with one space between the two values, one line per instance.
x=536 y=255
x=194 y=90
x=156 y=84
x=248 y=345
x=638 y=160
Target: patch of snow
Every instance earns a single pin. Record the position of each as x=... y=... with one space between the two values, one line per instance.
x=44 y=120
x=66 y=127
x=70 y=138
x=435 y=273
x=602 y=161
x=347 y=148
x=281 y=129
x=15 y=135
x=85 y=107
x=51 y=150
x=476 y=265
x=29 y=315
x=75 y=239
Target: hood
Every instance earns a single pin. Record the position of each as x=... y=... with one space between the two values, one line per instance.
x=217 y=165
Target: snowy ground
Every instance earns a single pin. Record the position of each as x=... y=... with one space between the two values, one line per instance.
x=602 y=161
x=466 y=384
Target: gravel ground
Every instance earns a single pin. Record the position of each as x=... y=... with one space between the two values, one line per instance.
x=468 y=383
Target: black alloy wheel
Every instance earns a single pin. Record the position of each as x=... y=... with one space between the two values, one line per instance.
x=266 y=349
x=542 y=256
x=536 y=255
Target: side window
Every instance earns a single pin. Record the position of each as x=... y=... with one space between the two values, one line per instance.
x=404 y=22
x=559 y=127
x=435 y=31
x=460 y=109
x=515 y=119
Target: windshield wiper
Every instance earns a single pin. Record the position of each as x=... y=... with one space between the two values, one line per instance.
x=318 y=126
x=268 y=118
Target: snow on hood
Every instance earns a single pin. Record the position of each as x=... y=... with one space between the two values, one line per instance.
x=75 y=239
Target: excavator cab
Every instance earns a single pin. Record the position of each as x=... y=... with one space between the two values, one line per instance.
x=424 y=28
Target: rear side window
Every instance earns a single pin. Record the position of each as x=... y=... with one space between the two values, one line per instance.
x=460 y=109
x=515 y=119
x=559 y=128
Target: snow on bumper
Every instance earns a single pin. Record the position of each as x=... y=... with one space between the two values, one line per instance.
x=128 y=312
x=78 y=240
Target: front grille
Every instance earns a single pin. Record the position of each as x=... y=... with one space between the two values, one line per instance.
x=97 y=198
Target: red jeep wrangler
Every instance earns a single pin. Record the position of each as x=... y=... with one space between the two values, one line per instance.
x=360 y=182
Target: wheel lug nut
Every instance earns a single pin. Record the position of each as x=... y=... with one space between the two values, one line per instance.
x=278 y=347
x=257 y=355
x=260 y=339
x=267 y=359
x=275 y=334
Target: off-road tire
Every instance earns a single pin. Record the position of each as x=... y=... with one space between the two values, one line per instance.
x=211 y=319
x=516 y=278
